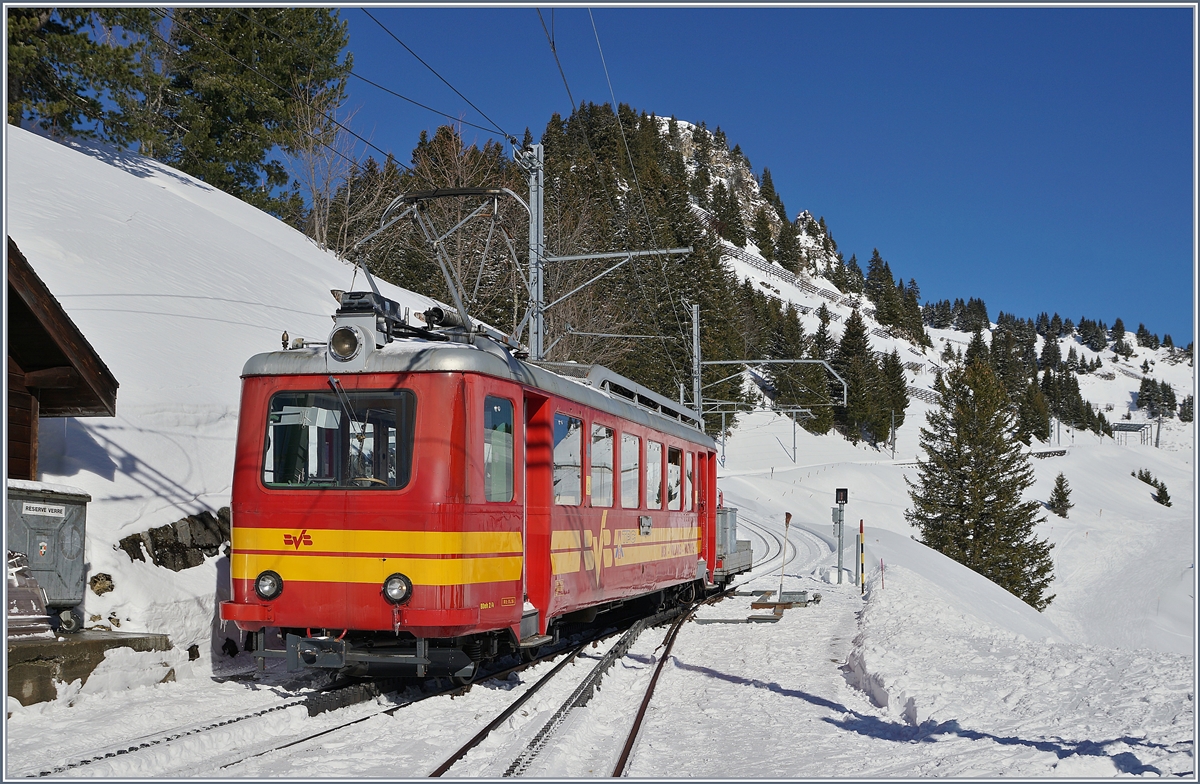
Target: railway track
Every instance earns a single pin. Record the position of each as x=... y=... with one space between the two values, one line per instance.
x=337 y=695
x=773 y=540
x=544 y=737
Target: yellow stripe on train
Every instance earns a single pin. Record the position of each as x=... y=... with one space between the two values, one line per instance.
x=359 y=569
x=571 y=539
x=327 y=540
x=668 y=543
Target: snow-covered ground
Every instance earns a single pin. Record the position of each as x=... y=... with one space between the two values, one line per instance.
x=933 y=672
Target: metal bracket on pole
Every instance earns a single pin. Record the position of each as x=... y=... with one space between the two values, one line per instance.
x=834 y=373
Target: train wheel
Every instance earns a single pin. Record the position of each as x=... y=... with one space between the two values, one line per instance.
x=530 y=654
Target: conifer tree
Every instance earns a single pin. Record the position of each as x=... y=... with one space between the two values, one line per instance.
x=895 y=389
x=1060 y=497
x=1148 y=396
x=1185 y=409
x=879 y=281
x=1051 y=354
x=977 y=349
x=787 y=247
x=770 y=195
x=817 y=379
x=1161 y=495
x=839 y=274
x=1033 y=415
x=1072 y=359
x=854 y=276
x=1118 y=330
x=855 y=363
x=66 y=81
x=762 y=234
x=1166 y=398
x=1005 y=356
x=729 y=215
x=967 y=500
x=215 y=93
x=702 y=157
x=822 y=347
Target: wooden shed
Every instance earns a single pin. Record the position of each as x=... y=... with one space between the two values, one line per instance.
x=52 y=369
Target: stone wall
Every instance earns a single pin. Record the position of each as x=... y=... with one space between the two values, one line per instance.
x=182 y=544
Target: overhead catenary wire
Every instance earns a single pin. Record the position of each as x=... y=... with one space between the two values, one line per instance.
x=482 y=113
x=604 y=184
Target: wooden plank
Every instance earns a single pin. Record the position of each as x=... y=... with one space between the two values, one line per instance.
x=18 y=467
x=33 y=293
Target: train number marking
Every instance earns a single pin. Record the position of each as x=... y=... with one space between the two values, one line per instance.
x=508 y=601
x=486 y=605
x=296 y=541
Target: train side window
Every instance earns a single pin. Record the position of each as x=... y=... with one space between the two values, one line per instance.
x=602 y=465
x=674 y=478
x=654 y=477
x=631 y=456
x=497 y=449
x=687 y=482
x=568 y=465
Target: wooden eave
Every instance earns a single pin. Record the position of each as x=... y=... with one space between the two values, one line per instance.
x=55 y=357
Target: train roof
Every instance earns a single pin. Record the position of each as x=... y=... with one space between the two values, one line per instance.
x=591 y=385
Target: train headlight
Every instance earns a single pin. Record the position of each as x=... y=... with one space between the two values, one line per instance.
x=344 y=343
x=397 y=589
x=268 y=586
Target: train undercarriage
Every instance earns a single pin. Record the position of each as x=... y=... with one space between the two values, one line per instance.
x=387 y=654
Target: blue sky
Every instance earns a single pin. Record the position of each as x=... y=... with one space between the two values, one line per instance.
x=1038 y=158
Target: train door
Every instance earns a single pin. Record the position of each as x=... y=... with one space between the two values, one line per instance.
x=706 y=486
x=539 y=452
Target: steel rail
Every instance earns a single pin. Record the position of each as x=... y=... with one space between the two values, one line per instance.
x=509 y=711
x=623 y=760
x=585 y=691
x=153 y=739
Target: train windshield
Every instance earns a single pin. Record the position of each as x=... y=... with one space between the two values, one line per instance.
x=343 y=440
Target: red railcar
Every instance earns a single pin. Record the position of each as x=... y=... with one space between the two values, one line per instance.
x=422 y=505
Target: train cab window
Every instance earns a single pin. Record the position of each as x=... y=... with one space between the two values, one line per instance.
x=674 y=478
x=497 y=449
x=631 y=466
x=687 y=482
x=568 y=466
x=602 y=465
x=654 y=477
x=349 y=440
